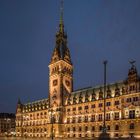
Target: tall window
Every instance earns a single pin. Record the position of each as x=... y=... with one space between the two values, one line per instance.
x=100 y=128
x=100 y=117
x=132 y=126
x=73 y=120
x=80 y=129
x=108 y=103
x=108 y=127
x=100 y=104
x=86 y=118
x=68 y=120
x=86 y=107
x=74 y=129
x=108 y=116
x=116 y=127
x=92 y=118
x=79 y=119
x=135 y=99
x=74 y=109
x=68 y=129
x=93 y=106
x=131 y=114
x=93 y=128
x=117 y=102
x=86 y=128
x=116 y=115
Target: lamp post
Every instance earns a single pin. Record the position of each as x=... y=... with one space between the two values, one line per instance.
x=104 y=122
x=104 y=135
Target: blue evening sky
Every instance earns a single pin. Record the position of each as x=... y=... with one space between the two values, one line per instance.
x=97 y=30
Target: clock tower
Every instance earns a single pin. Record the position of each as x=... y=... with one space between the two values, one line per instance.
x=60 y=69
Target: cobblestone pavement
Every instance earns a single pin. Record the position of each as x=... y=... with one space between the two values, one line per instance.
x=13 y=138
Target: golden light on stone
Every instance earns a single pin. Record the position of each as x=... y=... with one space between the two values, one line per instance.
x=80 y=113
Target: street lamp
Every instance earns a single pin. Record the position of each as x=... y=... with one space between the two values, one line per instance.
x=104 y=135
x=104 y=122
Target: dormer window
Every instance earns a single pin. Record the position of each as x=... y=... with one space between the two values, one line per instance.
x=86 y=98
x=117 y=91
x=100 y=94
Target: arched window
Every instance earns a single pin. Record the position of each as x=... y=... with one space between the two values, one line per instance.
x=132 y=126
x=86 y=128
x=116 y=127
x=80 y=128
x=74 y=129
x=100 y=94
x=100 y=128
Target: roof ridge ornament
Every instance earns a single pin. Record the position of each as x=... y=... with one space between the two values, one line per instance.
x=132 y=62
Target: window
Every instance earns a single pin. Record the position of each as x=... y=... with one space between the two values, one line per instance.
x=68 y=120
x=116 y=127
x=108 y=103
x=73 y=120
x=86 y=128
x=108 y=116
x=117 y=102
x=86 y=107
x=93 y=128
x=108 y=127
x=68 y=129
x=93 y=106
x=55 y=82
x=79 y=119
x=100 y=117
x=86 y=118
x=117 y=91
x=100 y=104
x=74 y=129
x=116 y=115
x=80 y=129
x=135 y=99
x=74 y=109
x=132 y=88
x=79 y=108
x=132 y=126
x=128 y=100
x=131 y=114
x=100 y=128
x=92 y=118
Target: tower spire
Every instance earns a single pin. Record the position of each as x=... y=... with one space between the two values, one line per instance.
x=61 y=25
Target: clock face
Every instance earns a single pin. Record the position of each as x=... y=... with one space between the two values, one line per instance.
x=55 y=82
x=67 y=83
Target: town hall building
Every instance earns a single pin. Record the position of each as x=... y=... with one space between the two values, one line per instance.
x=80 y=113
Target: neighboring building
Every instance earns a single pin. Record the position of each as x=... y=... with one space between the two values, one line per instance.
x=7 y=124
x=80 y=113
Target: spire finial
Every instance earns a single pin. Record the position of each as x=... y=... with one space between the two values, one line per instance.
x=61 y=10
x=61 y=15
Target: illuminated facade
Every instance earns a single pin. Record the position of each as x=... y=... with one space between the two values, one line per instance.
x=7 y=124
x=68 y=113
